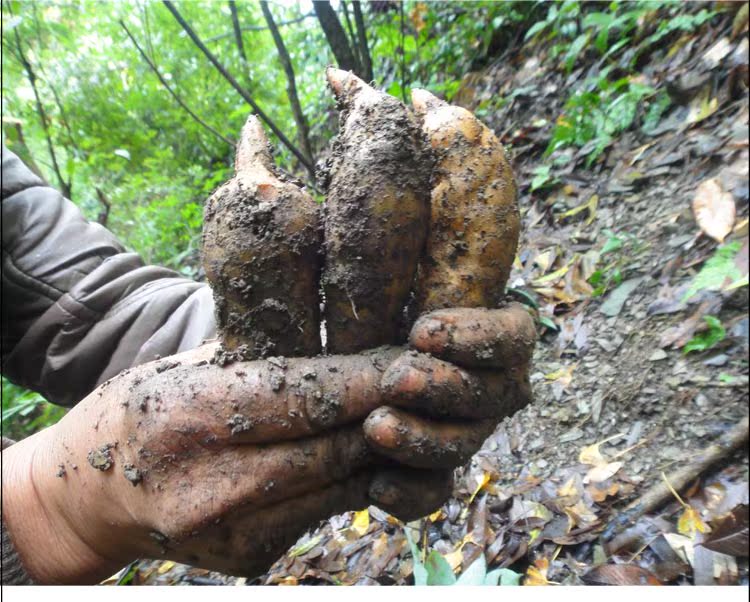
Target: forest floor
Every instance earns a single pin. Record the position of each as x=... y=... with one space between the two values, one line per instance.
x=560 y=493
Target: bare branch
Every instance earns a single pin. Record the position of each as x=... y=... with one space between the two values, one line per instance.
x=237 y=30
x=65 y=187
x=350 y=29
x=107 y=205
x=336 y=37
x=291 y=87
x=229 y=34
x=233 y=82
x=174 y=95
x=364 y=51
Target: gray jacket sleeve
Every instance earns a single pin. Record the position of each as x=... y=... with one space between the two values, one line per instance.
x=76 y=307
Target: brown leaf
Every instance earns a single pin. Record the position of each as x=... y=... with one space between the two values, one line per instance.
x=714 y=209
x=730 y=535
x=620 y=574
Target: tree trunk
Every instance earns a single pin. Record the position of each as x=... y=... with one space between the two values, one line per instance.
x=336 y=37
x=364 y=51
x=291 y=86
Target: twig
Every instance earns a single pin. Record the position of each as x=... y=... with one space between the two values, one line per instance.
x=350 y=29
x=104 y=214
x=66 y=187
x=403 y=52
x=659 y=494
x=169 y=89
x=229 y=34
x=291 y=86
x=237 y=30
x=242 y=92
x=364 y=51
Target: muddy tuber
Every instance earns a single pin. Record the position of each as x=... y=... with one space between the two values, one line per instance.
x=261 y=253
x=475 y=223
x=377 y=215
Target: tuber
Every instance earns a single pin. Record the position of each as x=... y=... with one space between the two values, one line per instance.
x=261 y=253
x=474 y=222
x=377 y=215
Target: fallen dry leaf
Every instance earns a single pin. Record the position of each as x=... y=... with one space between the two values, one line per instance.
x=690 y=523
x=620 y=574
x=714 y=209
x=730 y=534
x=537 y=574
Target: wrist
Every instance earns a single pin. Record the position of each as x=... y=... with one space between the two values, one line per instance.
x=42 y=514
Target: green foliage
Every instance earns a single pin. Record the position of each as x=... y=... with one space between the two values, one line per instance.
x=603 y=107
x=542 y=177
x=25 y=412
x=610 y=272
x=720 y=272
x=435 y=570
x=708 y=338
x=596 y=113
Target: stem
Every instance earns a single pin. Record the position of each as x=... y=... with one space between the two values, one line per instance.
x=291 y=88
x=242 y=92
x=169 y=89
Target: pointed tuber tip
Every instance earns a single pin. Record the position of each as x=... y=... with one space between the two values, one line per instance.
x=253 y=147
x=343 y=83
x=423 y=101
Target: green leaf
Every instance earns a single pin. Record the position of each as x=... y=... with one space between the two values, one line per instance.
x=475 y=574
x=420 y=572
x=503 y=577
x=720 y=272
x=439 y=572
x=612 y=244
x=545 y=321
x=535 y=29
x=541 y=178
x=708 y=339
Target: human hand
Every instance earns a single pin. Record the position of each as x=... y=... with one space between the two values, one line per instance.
x=224 y=467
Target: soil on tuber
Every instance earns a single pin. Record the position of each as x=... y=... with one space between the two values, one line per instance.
x=261 y=252
x=474 y=223
x=377 y=215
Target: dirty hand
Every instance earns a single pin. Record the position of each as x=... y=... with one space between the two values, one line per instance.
x=224 y=467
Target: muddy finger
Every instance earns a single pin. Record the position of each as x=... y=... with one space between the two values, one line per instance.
x=408 y=493
x=424 y=443
x=477 y=337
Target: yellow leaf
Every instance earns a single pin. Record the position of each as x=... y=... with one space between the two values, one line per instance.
x=533 y=534
x=165 y=566
x=543 y=260
x=454 y=559
x=289 y=580
x=591 y=454
x=602 y=472
x=437 y=515
x=481 y=483
x=702 y=106
x=552 y=276
x=580 y=514
x=564 y=374
x=570 y=489
x=589 y=205
x=714 y=209
x=690 y=523
x=361 y=521
x=537 y=574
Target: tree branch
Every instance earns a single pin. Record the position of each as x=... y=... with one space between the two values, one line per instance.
x=291 y=87
x=336 y=37
x=350 y=29
x=229 y=34
x=174 y=95
x=364 y=51
x=237 y=30
x=242 y=92
x=104 y=213
x=65 y=187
